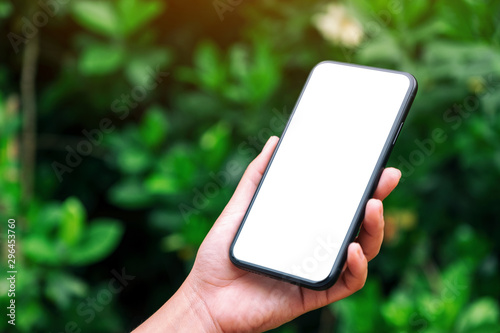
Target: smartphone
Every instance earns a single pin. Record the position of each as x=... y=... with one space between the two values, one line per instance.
x=311 y=199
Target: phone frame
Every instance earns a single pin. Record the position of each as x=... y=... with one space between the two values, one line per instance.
x=368 y=193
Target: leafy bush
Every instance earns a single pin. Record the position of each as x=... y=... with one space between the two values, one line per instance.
x=147 y=112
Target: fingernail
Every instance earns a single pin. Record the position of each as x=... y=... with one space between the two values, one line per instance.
x=360 y=253
x=267 y=143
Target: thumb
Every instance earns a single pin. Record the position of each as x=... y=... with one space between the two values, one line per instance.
x=237 y=206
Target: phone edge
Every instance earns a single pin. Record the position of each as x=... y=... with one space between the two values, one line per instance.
x=358 y=216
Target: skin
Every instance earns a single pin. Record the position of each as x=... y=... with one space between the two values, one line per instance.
x=219 y=297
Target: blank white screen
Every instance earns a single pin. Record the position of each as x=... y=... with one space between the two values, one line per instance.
x=317 y=178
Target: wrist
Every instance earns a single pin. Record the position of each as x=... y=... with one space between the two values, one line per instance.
x=198 y=308
x=185 y=311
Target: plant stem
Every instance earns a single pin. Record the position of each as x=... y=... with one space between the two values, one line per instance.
x=28 y=100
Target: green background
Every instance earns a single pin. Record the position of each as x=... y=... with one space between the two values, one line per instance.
x=205 y=81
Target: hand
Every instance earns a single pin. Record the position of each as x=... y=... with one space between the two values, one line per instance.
x=217 y=296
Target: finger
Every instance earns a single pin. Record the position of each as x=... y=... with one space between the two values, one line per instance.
x=250 y=180
x=371 y=234
x=388 y=181
x=354 y=276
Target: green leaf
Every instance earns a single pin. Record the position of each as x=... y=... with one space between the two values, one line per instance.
x=209 y=70
x=154 y=127
x=173 y=242
x=179 y=162
x=483 y=313
x=398 y=310
x=98 y=16
x=101 y=238
x=41 y=250
x=457 y=285
x=45 y=219
x=382 y=50
x=134 y=13
x=215 y=143
x=140 y=68
x=134 y=160
x=34 y=314
x=101 y=59
x=169 y=220
x=73 y=216
x=129 y=194
x=161 y=184
x=5 y=9
x=265 y=73
x=364 y=304
x=62 y=287
x=196 y=229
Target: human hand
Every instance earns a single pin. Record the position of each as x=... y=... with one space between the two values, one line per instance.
x=218 y=296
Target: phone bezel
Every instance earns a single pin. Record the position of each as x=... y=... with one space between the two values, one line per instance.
x=368 y=193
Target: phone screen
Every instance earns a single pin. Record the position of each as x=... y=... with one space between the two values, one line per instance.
x=321 y=169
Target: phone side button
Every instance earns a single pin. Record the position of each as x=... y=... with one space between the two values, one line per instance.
x=397 y=134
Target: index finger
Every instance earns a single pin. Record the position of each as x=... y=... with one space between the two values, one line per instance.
x=388 y=181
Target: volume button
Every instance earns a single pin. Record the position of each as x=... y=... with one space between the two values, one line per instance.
x=397 y=134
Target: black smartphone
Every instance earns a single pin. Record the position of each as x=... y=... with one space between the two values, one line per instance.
x=310 y=202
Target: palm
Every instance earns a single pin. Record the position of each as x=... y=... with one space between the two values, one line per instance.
x=242 y=301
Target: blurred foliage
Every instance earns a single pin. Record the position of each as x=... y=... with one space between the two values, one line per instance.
x=149 y=111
